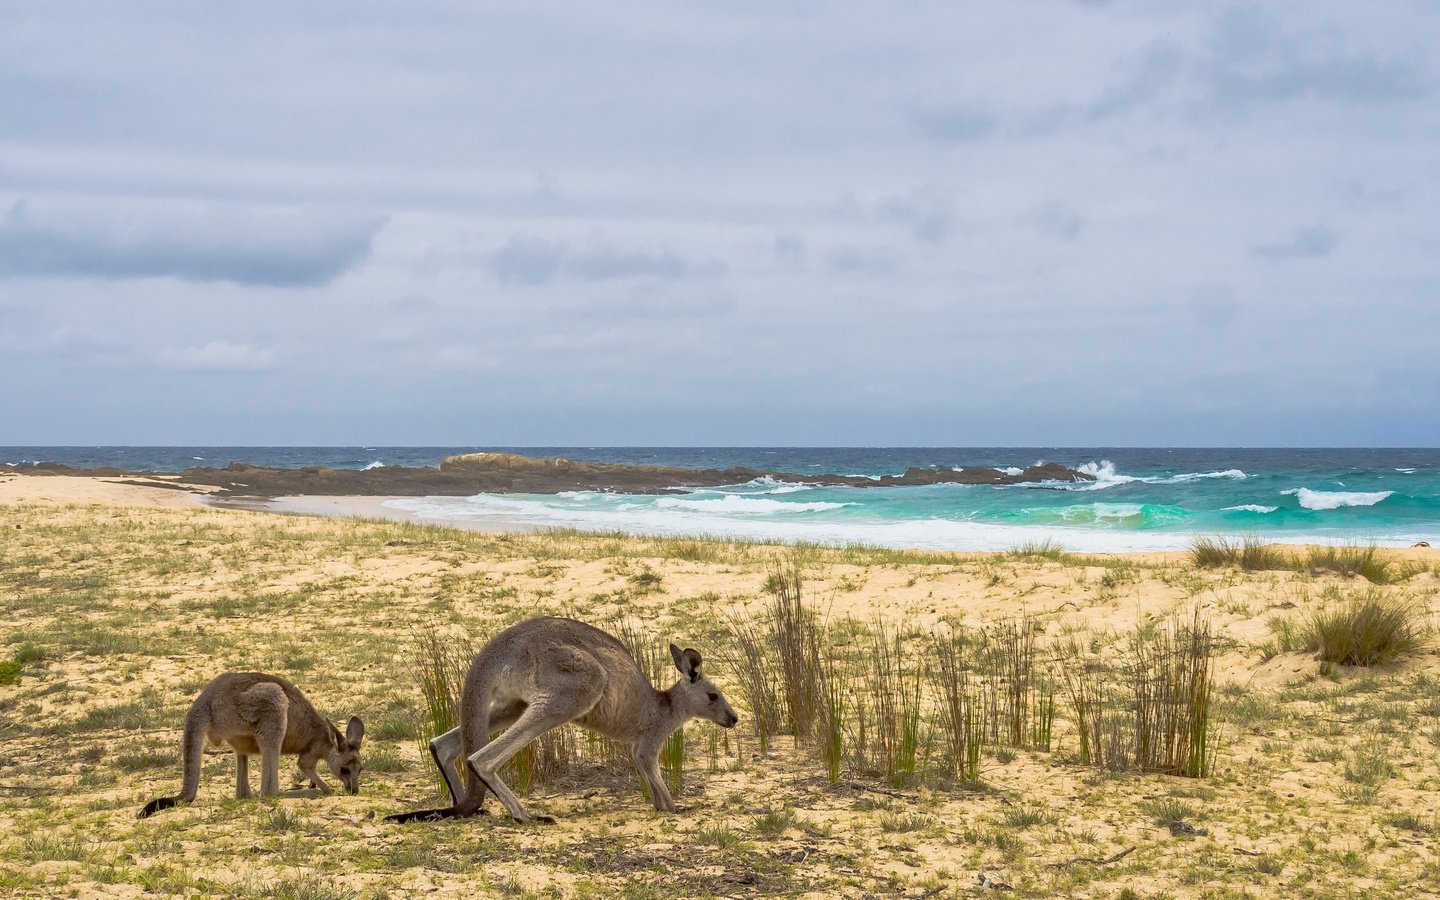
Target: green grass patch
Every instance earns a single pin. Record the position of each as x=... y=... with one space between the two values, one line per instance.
x=1365 y=629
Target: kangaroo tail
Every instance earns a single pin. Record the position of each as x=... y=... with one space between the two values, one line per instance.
x=434 y=815
x=192 y=749
x=156 y=805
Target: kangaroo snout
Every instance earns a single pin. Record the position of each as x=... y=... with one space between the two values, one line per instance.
x=730 y=721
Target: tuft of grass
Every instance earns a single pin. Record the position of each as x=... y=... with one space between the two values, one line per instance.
x=775 y=822
x=1410 y=821
x=905 y=823
x=1249 y=554
x=1366 y=562
x=306 y=887
x=1169 y=809
x=438 y=668
x=46 y=847
x=895 y=691
x=754 y=668
x=386 y=759
x=961 y=707
x=720 y=836
x=794 y=634
x=1366 y=629
x=1027 y=815
x=148 y=759
x=1173 y=673
x=1046 y=549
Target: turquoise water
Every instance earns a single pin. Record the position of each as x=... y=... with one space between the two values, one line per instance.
x=1142 y=499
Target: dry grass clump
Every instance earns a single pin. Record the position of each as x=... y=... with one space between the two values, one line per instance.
x=1250 y=554
x=1366 y=562
x=1360 y=628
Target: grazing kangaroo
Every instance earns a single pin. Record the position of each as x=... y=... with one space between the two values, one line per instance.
x=545 y=672
x=265 y=714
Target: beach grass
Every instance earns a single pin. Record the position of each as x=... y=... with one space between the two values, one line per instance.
x=1251 y=554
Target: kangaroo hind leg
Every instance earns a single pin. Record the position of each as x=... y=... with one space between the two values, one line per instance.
x=265 y=709
x=562 y=699
x=242 y=775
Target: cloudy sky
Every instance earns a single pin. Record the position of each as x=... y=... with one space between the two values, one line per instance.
x=1019 y=222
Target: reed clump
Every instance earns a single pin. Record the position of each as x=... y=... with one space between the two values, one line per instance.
x=1172 y=677
x=1020 y=707
x=961 y=706
x=437 y=667
x=1151 y=711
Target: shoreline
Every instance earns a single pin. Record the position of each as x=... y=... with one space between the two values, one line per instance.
x=357 y=507
x=128 y=492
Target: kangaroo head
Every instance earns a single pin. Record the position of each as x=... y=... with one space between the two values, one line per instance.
x=344 y=757
x=695 y=692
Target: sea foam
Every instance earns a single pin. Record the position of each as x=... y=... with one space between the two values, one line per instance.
x=604 y=513
x=1322 y=500
x=731 y=504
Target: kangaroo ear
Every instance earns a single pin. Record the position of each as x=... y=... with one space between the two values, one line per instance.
x=354 y=731
x=687 y=661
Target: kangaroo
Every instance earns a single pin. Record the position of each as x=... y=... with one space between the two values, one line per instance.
x=545 y=672
x=265 y=714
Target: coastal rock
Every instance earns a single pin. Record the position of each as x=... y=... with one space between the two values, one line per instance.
x=509 y=473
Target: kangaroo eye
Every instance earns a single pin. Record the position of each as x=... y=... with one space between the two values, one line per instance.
x=714 y=696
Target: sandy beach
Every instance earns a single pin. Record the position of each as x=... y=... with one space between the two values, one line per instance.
x=120 y=601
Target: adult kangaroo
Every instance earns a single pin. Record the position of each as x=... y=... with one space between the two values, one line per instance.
x=265 y=714
x=545 y=672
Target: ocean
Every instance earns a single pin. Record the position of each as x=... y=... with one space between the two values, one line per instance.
x=1142 y=498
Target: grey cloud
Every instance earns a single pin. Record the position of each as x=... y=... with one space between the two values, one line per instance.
x=1361 y=195
x=956 y=124
x=528 y=260
x=1309 y=242
x=848 y=259
x=789 y=249
x=534 y=260
x=653 y=302
x=1214 y=305
x=1252 y=61
x=1058 y=220
x=928 y=211
x=605 y=261
x=1158 y=66
x=206 y=242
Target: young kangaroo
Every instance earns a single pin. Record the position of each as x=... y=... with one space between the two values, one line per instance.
x=545 y=672
x=265 y=714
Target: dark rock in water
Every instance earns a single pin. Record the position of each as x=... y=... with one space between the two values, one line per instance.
x=508 y=473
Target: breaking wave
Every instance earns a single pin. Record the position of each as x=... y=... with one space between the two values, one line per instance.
x=1323 y=500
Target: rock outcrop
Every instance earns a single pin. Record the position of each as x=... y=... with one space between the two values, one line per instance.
x=508 y=473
